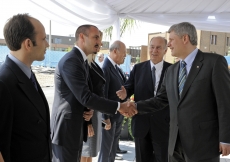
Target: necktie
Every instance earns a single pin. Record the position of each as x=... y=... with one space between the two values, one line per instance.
x=33 y=80
x=118 y=71
x=87 y=68
x=154 y=77
x=182 y=77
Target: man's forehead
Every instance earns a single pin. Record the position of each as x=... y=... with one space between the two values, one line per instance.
x=94 y=30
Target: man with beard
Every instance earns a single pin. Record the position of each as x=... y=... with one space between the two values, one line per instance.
x=73 y=94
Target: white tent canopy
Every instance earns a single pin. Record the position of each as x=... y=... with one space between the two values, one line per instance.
x=104 y=13
x=204 y=14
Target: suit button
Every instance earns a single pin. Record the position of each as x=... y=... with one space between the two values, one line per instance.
x=39 y=121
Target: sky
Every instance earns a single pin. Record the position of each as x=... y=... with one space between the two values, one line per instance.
x=137 y=37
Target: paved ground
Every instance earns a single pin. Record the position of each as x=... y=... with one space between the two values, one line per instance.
x=124 y=145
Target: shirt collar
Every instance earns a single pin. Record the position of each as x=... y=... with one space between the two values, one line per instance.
x=158 y=65
x=82 y=53
x=21 y=65
x=112 y=61
x=190 y=58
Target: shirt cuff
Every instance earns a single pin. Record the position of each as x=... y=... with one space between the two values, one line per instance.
x=118 y=107
x=225 y=143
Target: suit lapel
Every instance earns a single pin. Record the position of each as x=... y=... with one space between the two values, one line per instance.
x=162 y=75
x=113 y=70
x=122 y=74
x=196 y=67
x=97 y=70
x=175 y=80
x=147 y=69
x=28 y=89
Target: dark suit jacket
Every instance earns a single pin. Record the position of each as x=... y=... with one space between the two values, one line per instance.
x=24 y=117
x=140 y=84
x=97 y=79
x=113 y=84
x=201 y=115
x=73 y=93
x=98 y=83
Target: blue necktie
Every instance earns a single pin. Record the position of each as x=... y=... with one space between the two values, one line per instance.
x=182 y=77
x=33 y=80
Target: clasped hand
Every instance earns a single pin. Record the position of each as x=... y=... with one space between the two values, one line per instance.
x=128 y=109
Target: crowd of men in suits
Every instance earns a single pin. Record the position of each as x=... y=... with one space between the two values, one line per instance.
x=183 y=109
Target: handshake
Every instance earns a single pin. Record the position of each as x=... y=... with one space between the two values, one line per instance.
x=127 y=108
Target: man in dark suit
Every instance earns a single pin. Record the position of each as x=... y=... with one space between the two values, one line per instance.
x=114 y=80
x=197 y=91
x=73 y=94
x=24 y=111
x=151 y=131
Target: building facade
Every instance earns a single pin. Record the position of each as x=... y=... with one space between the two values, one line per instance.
x=62 y=43
x=208 y=41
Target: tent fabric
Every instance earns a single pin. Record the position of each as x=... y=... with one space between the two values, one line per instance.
x=104 y=13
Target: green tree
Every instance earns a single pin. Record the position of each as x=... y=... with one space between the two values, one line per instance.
x=126 y=25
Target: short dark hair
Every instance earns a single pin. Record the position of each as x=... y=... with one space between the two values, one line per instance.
x=17 y=29
x=83 y=29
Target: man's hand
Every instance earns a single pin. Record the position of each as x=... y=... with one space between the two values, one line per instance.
x=88 y=115
x=1 y=158
x=225 y=149
x=122 y=94
x=128 y=109
x=107 y=124
x=90 y=130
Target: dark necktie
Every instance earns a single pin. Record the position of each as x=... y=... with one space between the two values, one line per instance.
x=87 y=68
x=154 y=77
x=118 y=71
x=182 y=77
x=33 y=80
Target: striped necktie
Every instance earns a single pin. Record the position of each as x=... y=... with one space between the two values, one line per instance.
x=182 y=77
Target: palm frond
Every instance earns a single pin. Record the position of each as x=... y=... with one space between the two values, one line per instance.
x=126 y=25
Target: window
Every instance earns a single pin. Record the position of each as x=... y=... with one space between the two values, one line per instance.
x=228 y=41
x=213 y=39
x=57 y=40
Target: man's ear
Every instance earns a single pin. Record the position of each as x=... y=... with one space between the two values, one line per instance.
x=186 y=38
x=115 y=50
x=27 y=43
x=81 y=36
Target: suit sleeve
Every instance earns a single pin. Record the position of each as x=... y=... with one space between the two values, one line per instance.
x=156 y=103
x=129 y=84
x=106 y=89
x=74 y=75
x=221 y=88
x=6 y=121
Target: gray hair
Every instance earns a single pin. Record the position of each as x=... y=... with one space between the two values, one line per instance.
x=165 y=40
x=185 y=28
x=115 y=45
x=102 y=54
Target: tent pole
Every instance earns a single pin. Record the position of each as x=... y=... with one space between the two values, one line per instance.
x=50 y=38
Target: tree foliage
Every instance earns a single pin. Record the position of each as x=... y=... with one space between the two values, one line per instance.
x=126 y=25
